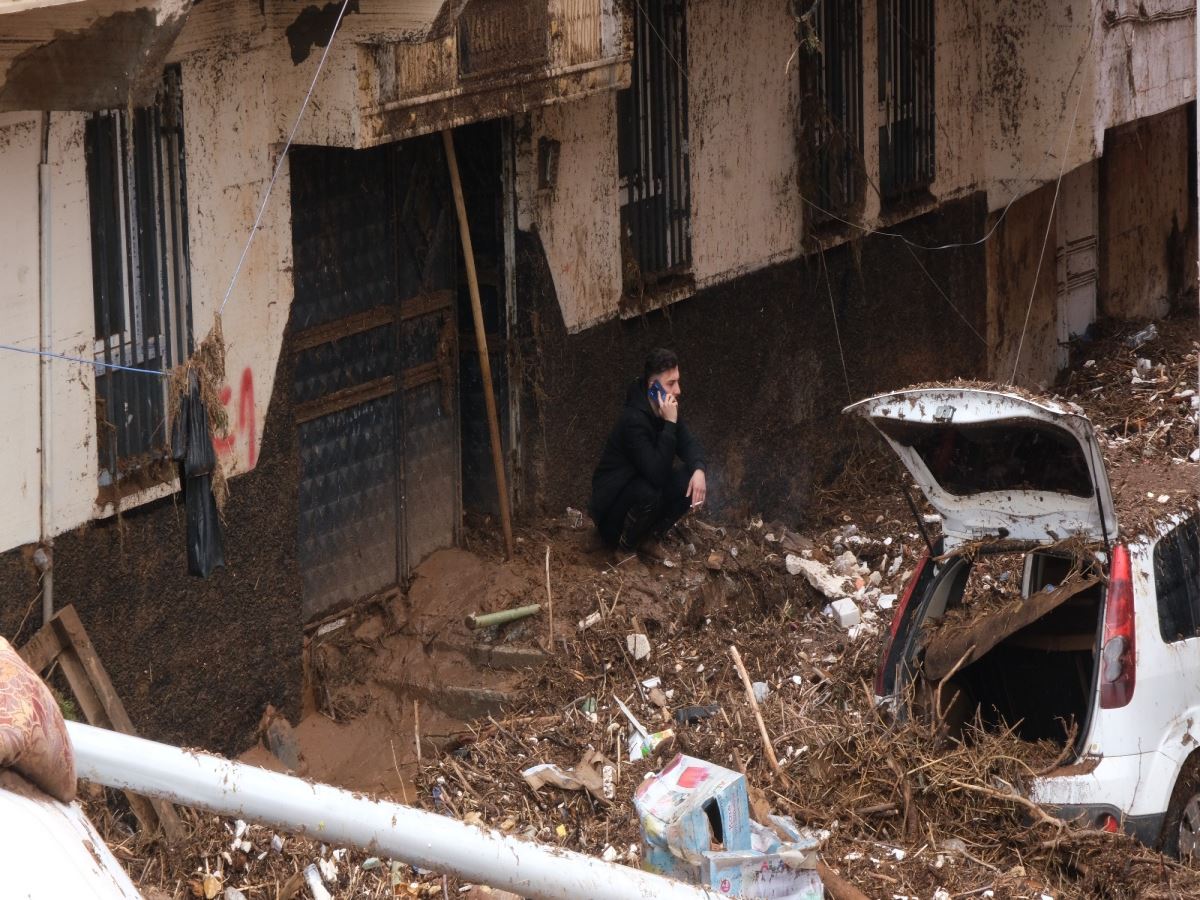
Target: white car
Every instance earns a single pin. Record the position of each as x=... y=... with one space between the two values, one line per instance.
x=1115 y=649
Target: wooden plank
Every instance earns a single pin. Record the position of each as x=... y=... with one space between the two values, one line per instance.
x=425 y=304
x=344 y=327
x=159 y=812
x=42 y=649
x=345 y=398
x=64 y=640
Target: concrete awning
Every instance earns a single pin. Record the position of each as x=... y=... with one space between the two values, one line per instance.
x=85 y=54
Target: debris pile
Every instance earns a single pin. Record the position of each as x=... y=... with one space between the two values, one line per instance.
x=754 y=648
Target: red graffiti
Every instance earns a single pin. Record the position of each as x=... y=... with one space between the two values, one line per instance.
x=245 y=428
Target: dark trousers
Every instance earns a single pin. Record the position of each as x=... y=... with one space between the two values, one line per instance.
x=641 y=509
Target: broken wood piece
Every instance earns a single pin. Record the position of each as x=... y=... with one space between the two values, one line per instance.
x=64 y=640
x=836 y=886
x=768 y=750
x=549 y=605
x=487 y=620
x=973 y=642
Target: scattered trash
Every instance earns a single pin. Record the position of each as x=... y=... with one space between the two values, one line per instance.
x=690 y=715
x=487 y=620
x=1147 y=334
x=651 y=683
x=592 y=620
x=232 y=893
x=574 y=518
x=886 y=601
x=846 y=564
x=371 y=862
x=330 y=627
x=696 y=826
x=845 y=612
x=762 y=690
x=328 y=870
x=642 y=743
x=312 y=878
x=638 y=645
x=586 y=775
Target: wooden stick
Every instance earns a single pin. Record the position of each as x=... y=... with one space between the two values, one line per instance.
x=837 y=886
x=485 y=363
x=549 y=602
x=417 y=727
x=768 y=750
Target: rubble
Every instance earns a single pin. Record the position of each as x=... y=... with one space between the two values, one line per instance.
x=904 y=812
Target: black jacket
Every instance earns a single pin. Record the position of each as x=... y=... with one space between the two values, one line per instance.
x=641 y=445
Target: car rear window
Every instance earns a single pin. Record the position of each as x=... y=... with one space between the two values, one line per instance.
x=996 y=456
x=1177 y=582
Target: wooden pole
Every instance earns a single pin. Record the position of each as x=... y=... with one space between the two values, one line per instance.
x=768 y=749
x=485 y=363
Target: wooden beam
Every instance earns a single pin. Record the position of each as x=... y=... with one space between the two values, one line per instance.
x=64 y=640
x=485 y=365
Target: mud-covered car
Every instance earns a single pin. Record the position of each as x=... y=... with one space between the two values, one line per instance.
x=1096 y=645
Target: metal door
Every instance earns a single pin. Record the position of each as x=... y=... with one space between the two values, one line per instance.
x=1076 y=261
x=374 y=381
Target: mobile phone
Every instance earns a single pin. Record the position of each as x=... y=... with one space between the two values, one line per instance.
x=657 y=393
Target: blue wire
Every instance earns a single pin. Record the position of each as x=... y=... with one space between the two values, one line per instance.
x=80 y=359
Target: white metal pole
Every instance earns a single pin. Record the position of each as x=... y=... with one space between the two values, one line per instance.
x=45 y=384
x=332 y=815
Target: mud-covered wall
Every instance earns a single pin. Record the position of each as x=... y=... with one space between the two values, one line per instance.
x=762 y=377
x=195 y=661
x=1146 y=216
x=1021 y=319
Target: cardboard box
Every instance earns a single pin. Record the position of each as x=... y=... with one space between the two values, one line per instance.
x=696 y=827
x=690 y=808
x=779 y=876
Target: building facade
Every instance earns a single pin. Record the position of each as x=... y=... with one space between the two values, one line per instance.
x=810 y=199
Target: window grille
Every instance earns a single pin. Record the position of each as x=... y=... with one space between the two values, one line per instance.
x=837 y=127
x=906 y=60
x=652 y=133
x=140 y=280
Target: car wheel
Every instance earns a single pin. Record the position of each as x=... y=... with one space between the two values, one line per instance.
x=1181 y=825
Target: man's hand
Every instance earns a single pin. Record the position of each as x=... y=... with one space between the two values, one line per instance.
x=669 y=408
x=697 y=488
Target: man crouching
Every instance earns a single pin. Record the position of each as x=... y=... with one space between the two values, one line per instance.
x=638 y=492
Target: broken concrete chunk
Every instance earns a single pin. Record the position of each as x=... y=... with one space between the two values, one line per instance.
x=819 y=577
x=845 y=612
x=638 y=645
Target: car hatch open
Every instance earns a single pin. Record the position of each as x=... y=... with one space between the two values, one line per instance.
x=996 y=464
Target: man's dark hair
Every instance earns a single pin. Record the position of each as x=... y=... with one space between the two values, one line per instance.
x=658 y=360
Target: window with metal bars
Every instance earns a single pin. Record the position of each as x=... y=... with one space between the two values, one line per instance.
x=140 y=280
x=906 y=60
x=832 y=107
x=652 y=136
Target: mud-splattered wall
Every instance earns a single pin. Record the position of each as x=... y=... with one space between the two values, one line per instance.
x=1022 y=296
x=1147 y=227
x=194 y=661
x=762 y=376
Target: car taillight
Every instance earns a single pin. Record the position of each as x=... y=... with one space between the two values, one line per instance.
x=1108 y=822
x=1118 y=652
x=909 y=589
